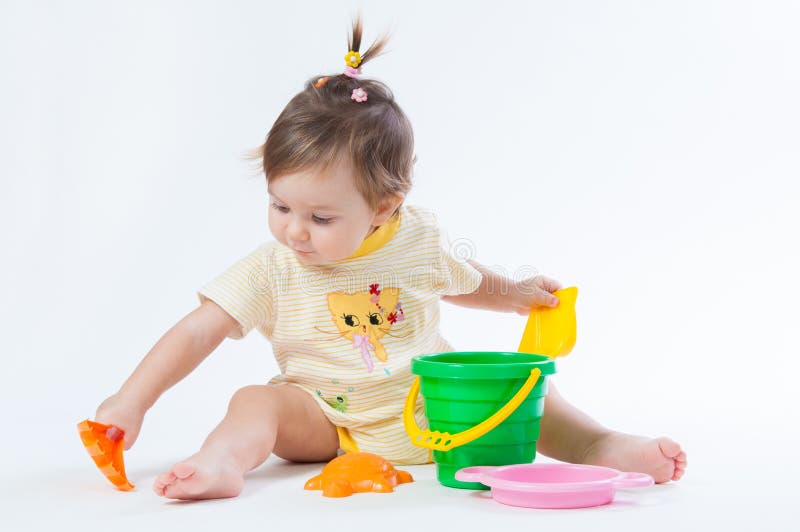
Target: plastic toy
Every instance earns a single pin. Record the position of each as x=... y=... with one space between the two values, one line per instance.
x=104 y=444
x=553 y=485
x=444 y=441
x=357 y=473
x=483 y=408
x=552 y=331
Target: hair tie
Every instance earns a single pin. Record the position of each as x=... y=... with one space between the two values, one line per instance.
x=353 y=59
x=351 y=72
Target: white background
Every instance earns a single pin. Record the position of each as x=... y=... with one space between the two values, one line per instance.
x=646 y=152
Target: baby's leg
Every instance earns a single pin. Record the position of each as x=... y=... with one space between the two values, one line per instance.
x=569 y=435
x=261 y=419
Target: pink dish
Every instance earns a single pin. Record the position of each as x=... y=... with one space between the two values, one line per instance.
x=553 y=485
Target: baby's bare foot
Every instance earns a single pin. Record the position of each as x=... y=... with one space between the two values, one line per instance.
x=660 y=458
x=204 y=475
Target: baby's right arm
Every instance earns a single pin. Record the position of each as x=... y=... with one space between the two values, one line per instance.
x=174 y=356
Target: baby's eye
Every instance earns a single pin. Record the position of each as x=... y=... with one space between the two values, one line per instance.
x=280 y=208
x=322 y=221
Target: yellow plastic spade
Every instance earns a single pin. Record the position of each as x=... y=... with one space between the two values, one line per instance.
x=551 y=331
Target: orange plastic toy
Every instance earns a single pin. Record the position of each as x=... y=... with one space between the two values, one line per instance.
x=357 y=473
x=104 y=443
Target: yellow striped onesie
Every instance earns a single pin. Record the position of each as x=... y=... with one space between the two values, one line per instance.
x=345 y=331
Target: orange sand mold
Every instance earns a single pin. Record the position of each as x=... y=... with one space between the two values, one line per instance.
x=357 y=473
x=104 y=444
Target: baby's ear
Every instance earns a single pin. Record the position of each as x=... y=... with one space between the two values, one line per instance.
x=386 y=208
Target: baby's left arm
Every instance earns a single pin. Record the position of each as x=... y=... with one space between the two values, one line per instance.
x=502 y=294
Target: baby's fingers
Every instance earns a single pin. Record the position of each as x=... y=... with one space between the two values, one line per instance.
x=546 y=283
x=127 y=444
x=544 y=298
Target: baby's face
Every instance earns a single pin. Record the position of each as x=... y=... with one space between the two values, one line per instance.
x=321 y=216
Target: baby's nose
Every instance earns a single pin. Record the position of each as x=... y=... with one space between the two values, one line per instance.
x=296 y=231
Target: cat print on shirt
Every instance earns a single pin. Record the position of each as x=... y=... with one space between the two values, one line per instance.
x=365 y=317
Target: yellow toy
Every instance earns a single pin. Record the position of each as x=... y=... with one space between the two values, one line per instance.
x=552 y=331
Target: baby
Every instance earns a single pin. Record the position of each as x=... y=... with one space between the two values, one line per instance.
x=347 y=294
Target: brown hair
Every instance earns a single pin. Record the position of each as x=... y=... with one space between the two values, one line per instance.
x=322 y=124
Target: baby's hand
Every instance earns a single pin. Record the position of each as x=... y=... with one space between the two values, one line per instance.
x=534 y=292
x=123 y=413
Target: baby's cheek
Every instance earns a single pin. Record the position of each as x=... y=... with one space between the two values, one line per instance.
x=274 y=226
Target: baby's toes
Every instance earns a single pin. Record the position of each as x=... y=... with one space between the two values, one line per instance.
x=183 y=470
x=162 y=481
x=187 y=484
x=680 y=465
x=176 y=490
x=669 y=448
x=680 y=461
x=680 y=469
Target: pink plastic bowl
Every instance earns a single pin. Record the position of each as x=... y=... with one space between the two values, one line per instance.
x=553 y=485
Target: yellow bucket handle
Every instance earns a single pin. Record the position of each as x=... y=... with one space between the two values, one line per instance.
x=444 y=441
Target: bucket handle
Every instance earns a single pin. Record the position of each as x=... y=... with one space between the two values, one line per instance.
x=444 y=441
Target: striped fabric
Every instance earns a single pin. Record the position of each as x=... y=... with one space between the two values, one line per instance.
x=345 y=331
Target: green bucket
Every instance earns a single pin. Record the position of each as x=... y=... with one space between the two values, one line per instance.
x=466 y=392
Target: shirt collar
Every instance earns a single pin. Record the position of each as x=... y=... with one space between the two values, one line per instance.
x=379 y=237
